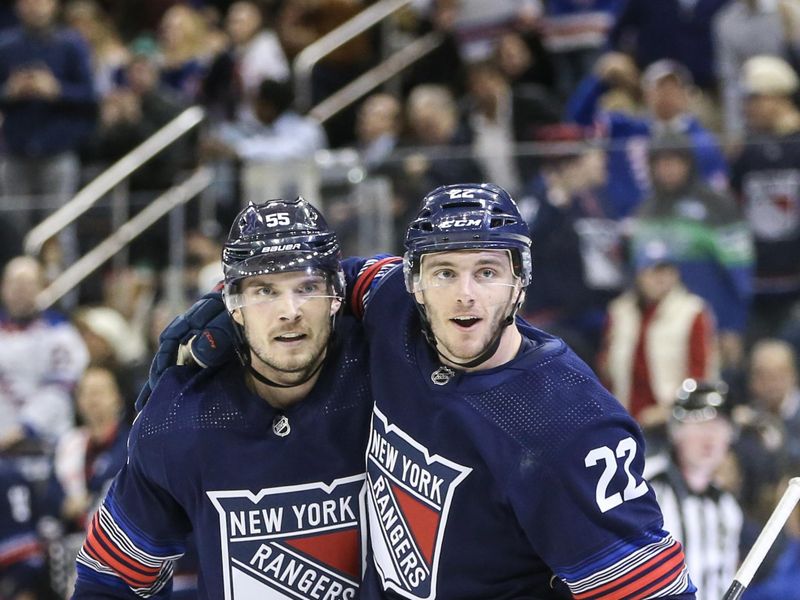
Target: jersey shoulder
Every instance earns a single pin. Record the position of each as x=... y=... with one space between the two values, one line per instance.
x=551 y=398
x=190 y=399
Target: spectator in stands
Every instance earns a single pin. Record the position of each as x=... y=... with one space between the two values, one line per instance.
x=300 y=23
x=253 y=54
x=477 y=24
x=186 y=47
x=709 y=241
x=773 y=384
x=777 y=576
x=657 y=334
x=766 y=176
x=274 y=132
x=378 y=126
x=22 y=565
x=704 y=517
x=667 y=87
x=42 y=356
x=769 y=422
x=576 y=32
x=744 y=29
x=499 y=117
x=49 y=105
x=524 y=60
x=578 y=249
x=436 y=131
x=88 y=457
x=669 y=29
x=109 y=54
x=131 y=113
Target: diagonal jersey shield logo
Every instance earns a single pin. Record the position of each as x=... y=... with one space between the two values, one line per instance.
x=408 y=494
x=293 y=543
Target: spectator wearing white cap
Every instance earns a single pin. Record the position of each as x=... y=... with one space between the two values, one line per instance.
x=767 y=178
x=744 y=29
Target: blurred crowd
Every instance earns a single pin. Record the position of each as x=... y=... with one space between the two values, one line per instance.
x=654 y=148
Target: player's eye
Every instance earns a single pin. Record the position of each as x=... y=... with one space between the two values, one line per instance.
x=263 y=291
x=312 y=288
x=487 y=273
x=444 y=274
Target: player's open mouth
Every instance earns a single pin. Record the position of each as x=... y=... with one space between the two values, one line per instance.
x=465 y=322
x=290 y=337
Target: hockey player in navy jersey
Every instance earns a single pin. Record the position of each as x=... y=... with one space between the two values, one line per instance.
x=497 y=465
x=262 y=458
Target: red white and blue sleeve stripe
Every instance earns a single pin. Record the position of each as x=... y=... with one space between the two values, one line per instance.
x=369 y=276
x=652 y=566
x=20 y=549
x=117 y=554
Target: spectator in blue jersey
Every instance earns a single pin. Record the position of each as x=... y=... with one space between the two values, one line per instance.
x=48 y=103
x=766 y=178
x=666 y=85
x=261 y=459
x=697 y=509
x=497 y=464
x=22 y=565
x=709 y=240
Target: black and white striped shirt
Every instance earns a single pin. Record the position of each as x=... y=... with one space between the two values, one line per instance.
x=708 y=525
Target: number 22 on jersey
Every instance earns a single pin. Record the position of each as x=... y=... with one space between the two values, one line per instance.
x=625 y=449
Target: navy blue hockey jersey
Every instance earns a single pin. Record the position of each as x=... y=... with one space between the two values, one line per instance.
x=275 y=499
x=522 y=481
x=21 y=556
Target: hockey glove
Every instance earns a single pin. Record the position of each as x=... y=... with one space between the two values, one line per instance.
x=204 y=335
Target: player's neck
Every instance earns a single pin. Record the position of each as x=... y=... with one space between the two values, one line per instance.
x=510 y=342
x=281 y=397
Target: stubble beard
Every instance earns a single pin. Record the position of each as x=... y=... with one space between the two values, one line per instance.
x=293 y=368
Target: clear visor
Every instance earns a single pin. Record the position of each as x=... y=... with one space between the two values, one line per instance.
x=487 y=275
x=296 y=287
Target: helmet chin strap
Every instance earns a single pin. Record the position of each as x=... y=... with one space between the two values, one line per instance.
x=490 y=349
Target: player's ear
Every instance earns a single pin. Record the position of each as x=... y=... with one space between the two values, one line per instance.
x=336 y=304
x=236 y=315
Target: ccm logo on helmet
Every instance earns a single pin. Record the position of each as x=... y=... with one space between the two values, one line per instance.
x=280 y=248
x=460 y=223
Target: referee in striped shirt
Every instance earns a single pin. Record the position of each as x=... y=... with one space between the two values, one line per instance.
x=706 y=519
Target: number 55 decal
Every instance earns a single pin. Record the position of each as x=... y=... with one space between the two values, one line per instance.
x=625 y=449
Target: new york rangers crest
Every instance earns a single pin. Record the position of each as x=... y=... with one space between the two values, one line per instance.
x=409 y=494
x=293 y=543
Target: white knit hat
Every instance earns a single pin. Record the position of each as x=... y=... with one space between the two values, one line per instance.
x=769 y=76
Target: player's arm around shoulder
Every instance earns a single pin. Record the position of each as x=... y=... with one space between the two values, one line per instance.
x=363 y=277
x=139 y=530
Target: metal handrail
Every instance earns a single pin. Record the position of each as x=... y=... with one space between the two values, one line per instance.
x=89 y=262
x=310 y=55
x=111 y=177
x=366 y=82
